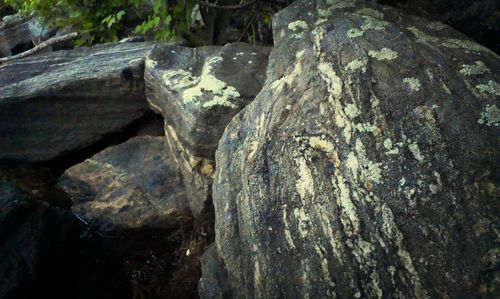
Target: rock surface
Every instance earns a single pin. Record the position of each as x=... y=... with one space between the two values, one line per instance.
x=51 y=104
x=18 y=34
x=478 y=19
x=214 y=283
x=368 y=165
x=37 y=243
x=129 y=187
x=198 y=91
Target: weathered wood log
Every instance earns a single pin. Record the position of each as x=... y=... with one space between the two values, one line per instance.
x=368 y=165
x=57 y=102
x=198 y=91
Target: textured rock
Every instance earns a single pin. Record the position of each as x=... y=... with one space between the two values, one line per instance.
x=54 y=103
x=478 y=19
x=37 y=242
x=214 y=283
x=368 y=165
x=128 y=187
x=198 y=91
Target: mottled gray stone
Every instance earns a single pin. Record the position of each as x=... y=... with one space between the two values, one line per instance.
x=58 y=102
x=198 y=91
x=37 y=245
x=367 y=167
x=478 y=19
x=128 y=187
x=214 y=284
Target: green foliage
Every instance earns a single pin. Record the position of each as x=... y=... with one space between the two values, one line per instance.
x=106 y=20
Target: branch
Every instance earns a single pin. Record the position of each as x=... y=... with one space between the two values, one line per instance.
x=238 y=6
x=41 y=46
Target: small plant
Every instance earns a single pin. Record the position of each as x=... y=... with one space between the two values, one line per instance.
x=105 y=21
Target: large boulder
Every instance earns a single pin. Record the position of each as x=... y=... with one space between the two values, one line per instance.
x=38 y=244
x=131 y=187
x=198 y=91
x=478 y=19
x=368 y=165
x=18 y=34
x=51 y=104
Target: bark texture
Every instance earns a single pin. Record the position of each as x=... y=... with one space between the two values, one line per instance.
x=198 y=91
x=54 y=103
x=368 y=165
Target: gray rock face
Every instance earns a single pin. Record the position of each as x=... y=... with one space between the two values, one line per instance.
x=15 y=31
x=35 y=240
x=368 y=165
x=198 y=91
x=128 y=187
x=214 y=283
x=58 y=102
x=477 y=19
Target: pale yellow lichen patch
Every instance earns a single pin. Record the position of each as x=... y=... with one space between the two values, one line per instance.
x=150 y=64
x=321 y=144
x=352 y=163
x=297 y=27
x=355 y=65
x=491 y=87
x=303 y=220
x=279 y=84
x=464 y=44
x=388 y=143
x=436 y=26
x=490 y=116
x=117 y=204
x=478 y=68
x=367 y=128
x=349 y=216
x=305 y=183
x=371 y=23
x=391 y=150
x=207 y=169
x=178 y=78
x=353 y=32
x=334 y=80
x=288 y=235
x=383 y=54
x=390 y=229
x=222 y=93
x=351 y=111
x=422 y=36
x=333 y=5
x=415 y=150
x=414 y=83
x=370 y=12
x=373 y=172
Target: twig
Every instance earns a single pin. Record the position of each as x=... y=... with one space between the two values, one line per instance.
x=41 y=46
x=247 y=27
x=237 y=6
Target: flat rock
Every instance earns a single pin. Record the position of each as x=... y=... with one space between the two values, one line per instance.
x=128 y=187
x=37 y=242
x=54 y=103
x=368 y=165
x=198 y=91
